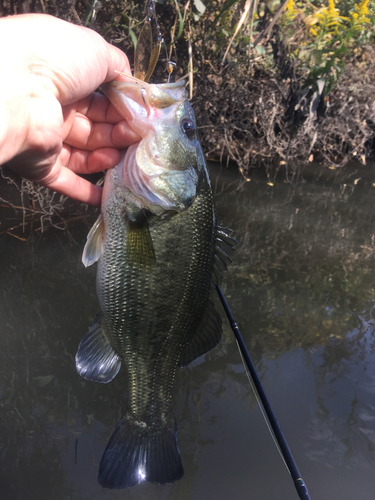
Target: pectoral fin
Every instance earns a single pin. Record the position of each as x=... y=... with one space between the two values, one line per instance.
x=206 y=337
x=139 y=247
x=95 y=242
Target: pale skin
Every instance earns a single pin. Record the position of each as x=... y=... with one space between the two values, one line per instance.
x=53 y=125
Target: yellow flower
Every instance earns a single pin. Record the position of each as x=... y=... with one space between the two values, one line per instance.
x=312 y=18
x=327 y=18
x=359 y=17
x=363 y=9
x=291 y=11
x=332 y=11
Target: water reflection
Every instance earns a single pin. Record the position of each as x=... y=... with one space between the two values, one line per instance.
x=302 y=290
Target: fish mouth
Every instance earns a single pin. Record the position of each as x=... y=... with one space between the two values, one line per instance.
x=159 y=95
x=134 y=99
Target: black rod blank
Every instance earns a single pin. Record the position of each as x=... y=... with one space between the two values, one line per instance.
x=286 y=453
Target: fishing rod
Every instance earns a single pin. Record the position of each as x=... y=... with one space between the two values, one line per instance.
x=281 y=443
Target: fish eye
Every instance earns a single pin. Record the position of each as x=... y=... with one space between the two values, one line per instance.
x=188 y=126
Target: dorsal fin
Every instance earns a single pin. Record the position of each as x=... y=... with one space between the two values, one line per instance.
x=224 y=246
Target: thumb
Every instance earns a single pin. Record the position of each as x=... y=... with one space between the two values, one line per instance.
x=117 y=62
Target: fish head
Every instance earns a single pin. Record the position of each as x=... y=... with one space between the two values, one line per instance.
x=163 y=169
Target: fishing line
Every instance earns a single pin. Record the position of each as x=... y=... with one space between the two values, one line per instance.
x=261 y=407
x=282 y=445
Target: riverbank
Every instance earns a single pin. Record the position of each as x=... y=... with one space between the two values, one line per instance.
x=256 y=119
x=252 y=109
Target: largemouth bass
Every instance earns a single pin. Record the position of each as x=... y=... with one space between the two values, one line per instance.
x=159 y=250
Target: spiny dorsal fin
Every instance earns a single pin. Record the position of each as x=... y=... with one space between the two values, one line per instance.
x=224 y=246
x=95 y=242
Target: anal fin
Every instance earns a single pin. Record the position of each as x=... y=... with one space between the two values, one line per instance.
x=96 y=360
x=206 y=337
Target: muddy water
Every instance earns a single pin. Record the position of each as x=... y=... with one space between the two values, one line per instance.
x=301 y=287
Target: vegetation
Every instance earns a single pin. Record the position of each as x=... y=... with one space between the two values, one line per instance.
x=297 y=84
x=328 y=37
x=274 y=83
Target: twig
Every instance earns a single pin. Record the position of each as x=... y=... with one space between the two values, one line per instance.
x=183 y=77
x=240 y=23
x=52 y=224
x=6 y=231
x=64 y=222
x=271 y=25
x=190 y=52
x=16 y=207
x=15 y=236
x=254 y=6
x=172 y=37
x=185 y=10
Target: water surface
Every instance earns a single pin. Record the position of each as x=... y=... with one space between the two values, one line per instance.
x=301 y=288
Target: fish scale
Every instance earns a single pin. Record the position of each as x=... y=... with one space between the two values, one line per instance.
x=150 y=301
x=155 y=242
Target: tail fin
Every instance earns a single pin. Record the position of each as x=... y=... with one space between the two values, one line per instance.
x=137 y=453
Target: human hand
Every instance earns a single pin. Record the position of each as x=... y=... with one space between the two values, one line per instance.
x=52 y=125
